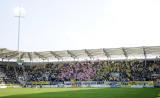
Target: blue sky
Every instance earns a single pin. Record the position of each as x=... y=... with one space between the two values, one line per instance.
x=80 y=24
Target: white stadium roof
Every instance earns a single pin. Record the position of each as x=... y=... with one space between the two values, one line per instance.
x=148 y=52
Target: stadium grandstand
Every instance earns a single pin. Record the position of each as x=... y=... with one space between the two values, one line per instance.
x=113 y=67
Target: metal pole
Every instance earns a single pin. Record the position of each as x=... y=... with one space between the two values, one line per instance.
x=19 y=24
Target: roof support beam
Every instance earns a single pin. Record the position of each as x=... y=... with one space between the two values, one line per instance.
x=12 y=55
x=5 y=54
x=106 y=53
x=22 y=55
x=145 y=56
x=144 y=52
x=56 y=55
x=40 y=56
x=71 y=54
x=125 y=52
x=88 y=54
x=29 y=55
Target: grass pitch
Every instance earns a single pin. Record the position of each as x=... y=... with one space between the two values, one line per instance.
x=80 y=93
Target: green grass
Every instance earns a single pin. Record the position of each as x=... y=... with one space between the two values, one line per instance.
x=79 y=93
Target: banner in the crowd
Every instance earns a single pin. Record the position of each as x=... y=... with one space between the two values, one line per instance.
x=40 y=82
x=141 y=84
x=101 y=84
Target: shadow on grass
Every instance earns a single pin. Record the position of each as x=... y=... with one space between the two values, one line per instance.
x=94 y=93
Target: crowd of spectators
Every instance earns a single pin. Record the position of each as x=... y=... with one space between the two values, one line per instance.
x=83 y=71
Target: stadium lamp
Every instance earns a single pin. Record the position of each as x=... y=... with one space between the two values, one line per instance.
x=19 y=12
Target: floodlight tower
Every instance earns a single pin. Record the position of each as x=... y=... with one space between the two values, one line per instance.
x=19 y=13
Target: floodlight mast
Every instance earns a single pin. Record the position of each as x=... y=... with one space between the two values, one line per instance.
x=19 y=13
